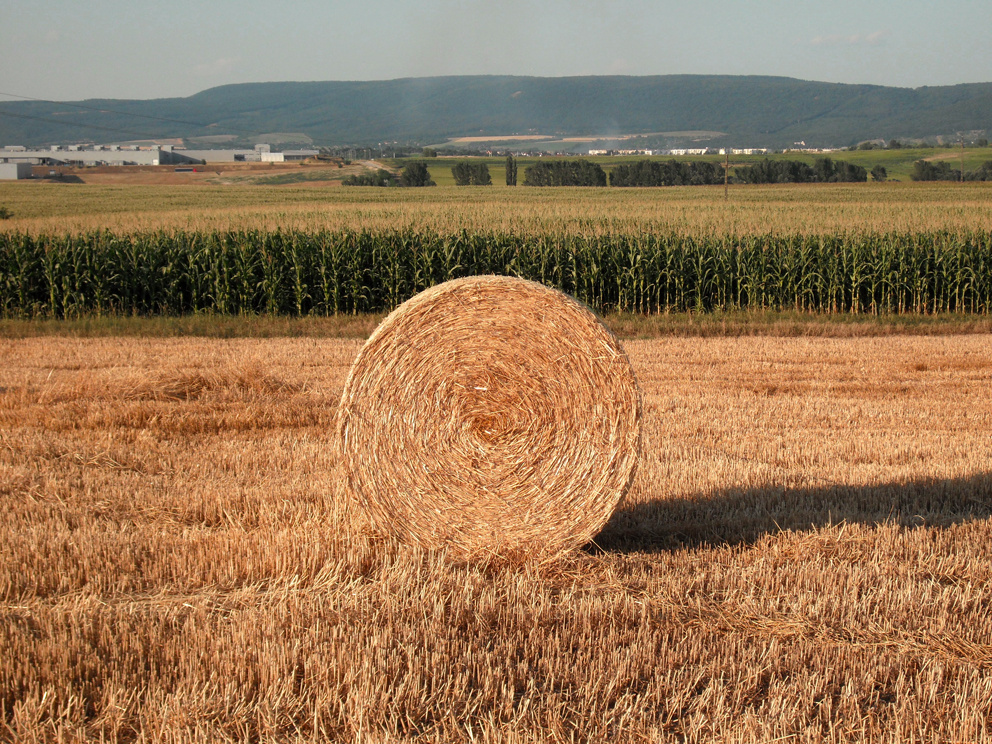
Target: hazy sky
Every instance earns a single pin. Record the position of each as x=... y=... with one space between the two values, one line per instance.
x=76 y=49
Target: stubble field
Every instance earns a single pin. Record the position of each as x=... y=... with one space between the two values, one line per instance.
x=806 y=555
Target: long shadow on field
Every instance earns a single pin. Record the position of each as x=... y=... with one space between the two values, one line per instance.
x=61 y=178
x=742 y=516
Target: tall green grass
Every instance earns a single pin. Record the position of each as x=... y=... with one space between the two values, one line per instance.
x=301 y=273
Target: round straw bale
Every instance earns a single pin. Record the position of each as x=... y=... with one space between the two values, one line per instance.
x=491 y=415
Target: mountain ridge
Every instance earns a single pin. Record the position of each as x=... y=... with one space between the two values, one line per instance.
x=759 y=111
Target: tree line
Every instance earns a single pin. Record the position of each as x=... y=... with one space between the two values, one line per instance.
x=668 y=173
x=925 y=170
x=586 y=173
x=565 y=173
x=643 y=173
x=698 y=173
x=413 y=174
x=823 y=170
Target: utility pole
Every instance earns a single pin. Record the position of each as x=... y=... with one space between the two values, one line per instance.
x=726 y=174
x=961 y=174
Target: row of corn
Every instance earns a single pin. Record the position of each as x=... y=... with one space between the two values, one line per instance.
x=328 y=272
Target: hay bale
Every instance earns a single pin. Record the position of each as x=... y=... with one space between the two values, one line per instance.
x=491 y=415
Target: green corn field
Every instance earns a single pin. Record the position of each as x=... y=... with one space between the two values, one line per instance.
x=329 y=272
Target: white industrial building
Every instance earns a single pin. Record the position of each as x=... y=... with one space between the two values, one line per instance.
x=134 y=155
x=14 y=171
x=75 y=155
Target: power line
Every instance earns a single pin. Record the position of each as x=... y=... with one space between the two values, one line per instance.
x=117 y=130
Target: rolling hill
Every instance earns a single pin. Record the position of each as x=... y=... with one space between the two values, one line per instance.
x=736 y=110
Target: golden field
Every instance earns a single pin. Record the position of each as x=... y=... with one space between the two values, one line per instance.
x=697 y=210
x=805 y=556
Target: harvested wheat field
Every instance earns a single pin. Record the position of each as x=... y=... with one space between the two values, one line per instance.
x=805 y=555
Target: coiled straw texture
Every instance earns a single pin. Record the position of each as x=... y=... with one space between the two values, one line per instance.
x=491 y=415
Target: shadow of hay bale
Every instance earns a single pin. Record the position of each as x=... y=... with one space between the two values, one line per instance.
x=742 y=517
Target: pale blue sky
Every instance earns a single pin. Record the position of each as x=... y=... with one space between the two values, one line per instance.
x=76 y=49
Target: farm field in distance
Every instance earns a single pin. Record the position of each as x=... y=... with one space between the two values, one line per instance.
x=131 y=203
x=806 y=554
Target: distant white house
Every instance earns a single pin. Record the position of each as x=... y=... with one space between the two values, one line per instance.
x=14 y=171
x=621 y=152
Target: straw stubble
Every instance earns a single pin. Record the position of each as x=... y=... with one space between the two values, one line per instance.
x=491 y=415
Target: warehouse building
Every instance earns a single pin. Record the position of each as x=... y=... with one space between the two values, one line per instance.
x=132 y=155
x=99 y=155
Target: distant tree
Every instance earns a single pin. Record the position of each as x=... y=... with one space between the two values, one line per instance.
x=981 y=142
x=879 y=174
x=895 y=144
x=984 y=173
x=776 y=171
x=5 y=214
x=823 y=170
x=924 y=170
x=476 y=174
x=511 y=170
x=378 y=178
x=429 y=152
x=416 y=174
x=845 y=172
x=670 y=173
x=565 y=173
x=461 y=174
